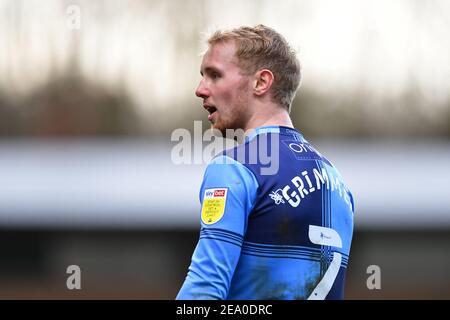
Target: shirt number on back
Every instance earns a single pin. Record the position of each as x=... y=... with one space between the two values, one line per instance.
x=327 y=237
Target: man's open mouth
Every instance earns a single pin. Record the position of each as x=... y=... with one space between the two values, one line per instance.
x=210 y=109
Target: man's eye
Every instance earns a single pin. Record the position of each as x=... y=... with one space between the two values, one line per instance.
x=215 y=75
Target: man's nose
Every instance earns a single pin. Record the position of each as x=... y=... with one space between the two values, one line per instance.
x=202 y=91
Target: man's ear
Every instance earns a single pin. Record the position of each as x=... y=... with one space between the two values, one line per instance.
x=262 y=82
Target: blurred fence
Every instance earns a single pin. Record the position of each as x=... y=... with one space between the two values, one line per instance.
x=135 y=183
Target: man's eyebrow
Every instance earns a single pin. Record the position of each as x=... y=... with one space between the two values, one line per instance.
x=209 y=70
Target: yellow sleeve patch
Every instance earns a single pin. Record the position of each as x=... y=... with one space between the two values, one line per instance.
x=213 y=206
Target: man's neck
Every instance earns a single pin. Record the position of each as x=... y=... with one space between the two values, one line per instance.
x=277 y=117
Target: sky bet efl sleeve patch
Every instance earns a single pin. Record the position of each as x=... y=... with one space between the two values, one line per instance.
x=213 y=207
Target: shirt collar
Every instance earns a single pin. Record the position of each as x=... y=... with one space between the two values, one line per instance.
x=273 y=129
x=265 y=129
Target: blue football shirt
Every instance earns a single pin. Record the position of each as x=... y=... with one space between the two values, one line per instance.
x=276 y=223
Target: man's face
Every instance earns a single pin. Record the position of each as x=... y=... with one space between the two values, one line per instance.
x=224 y=89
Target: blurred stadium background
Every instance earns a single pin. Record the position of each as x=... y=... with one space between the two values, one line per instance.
x=90 y=92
